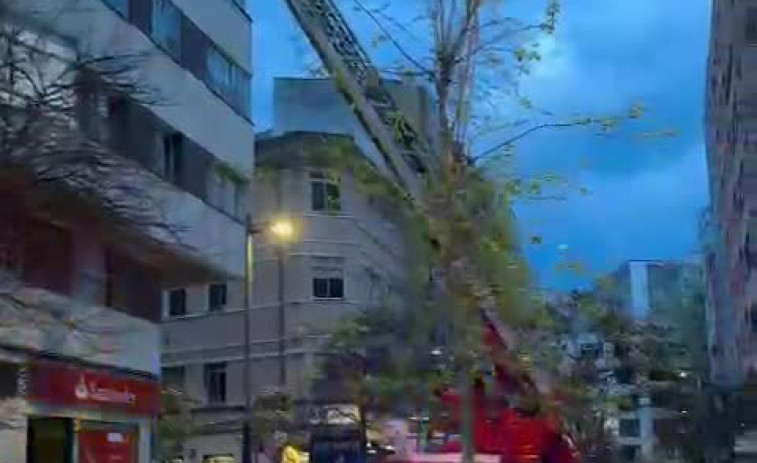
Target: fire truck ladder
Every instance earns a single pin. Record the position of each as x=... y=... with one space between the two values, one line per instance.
x=404 y=151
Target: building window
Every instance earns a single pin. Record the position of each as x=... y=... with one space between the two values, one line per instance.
x=753 y=319
x=122 y=6
x=328 y=278
x=171 y=159
x=325 y=194
x=217 y=297
x=177 y=302
x=630 y=428
x=215 y=382
x=166 y=26
x=751 y=25
x=227 y=79
x=173 y=377
x=227 y=193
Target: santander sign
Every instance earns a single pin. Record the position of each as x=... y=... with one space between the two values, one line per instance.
x=63 y=384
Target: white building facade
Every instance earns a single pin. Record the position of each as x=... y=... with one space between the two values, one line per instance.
x=84 y=379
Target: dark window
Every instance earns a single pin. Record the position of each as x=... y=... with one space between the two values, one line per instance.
x=328 y=288
x=624 y=375
x=753 y=319
x=630 y=428
x=226 y=193
x=173 y=377
x=215 y=382
x=173 y=152
x=122 y=6
x=228 y=79
x=166 y=26
x=12 y=241
x=325 y=194
x=217 y=294
x=629 y=452
x=751 y=25
x=48 y=257
x=132 y=287
x=177 y=302
x=90 y=105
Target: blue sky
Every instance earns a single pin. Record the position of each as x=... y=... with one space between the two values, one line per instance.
x=645 y=196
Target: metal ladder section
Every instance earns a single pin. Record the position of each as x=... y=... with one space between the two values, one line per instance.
x=324 y=15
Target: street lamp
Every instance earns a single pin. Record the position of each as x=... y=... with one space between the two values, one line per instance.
x=281 y=230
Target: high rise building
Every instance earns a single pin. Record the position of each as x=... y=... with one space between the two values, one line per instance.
x=83 y=291
x=346 y=254
x=730 y=138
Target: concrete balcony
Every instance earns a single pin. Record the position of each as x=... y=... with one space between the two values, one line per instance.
x=199 y=234
x=40 y=321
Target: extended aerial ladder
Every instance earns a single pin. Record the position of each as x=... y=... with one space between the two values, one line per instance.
x=407 y=155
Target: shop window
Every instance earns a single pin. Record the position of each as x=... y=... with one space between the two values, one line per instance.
x=49 y=440
x=217 y=297
x=215 y=382
x=325 y=194
x=177 y=302
x=166 y=26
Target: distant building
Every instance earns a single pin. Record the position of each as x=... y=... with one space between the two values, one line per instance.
x=647 y=290
x=644 y=291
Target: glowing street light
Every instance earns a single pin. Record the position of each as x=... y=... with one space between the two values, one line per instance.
x=282 y=230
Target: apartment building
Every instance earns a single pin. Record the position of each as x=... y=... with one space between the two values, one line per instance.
x=730 y=139
x=346 y=254
x=80 y=361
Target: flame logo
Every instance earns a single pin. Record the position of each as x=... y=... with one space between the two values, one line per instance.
x=81 y=391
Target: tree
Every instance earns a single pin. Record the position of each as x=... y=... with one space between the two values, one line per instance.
x=477 y=55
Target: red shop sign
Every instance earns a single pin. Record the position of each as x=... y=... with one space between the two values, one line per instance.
x=102 y=446
x=62 y=384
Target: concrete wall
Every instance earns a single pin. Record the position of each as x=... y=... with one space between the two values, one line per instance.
x=95 y=334
x=203 y=231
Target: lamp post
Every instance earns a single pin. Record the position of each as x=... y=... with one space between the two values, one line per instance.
x=281 y=230
x=284 y=232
